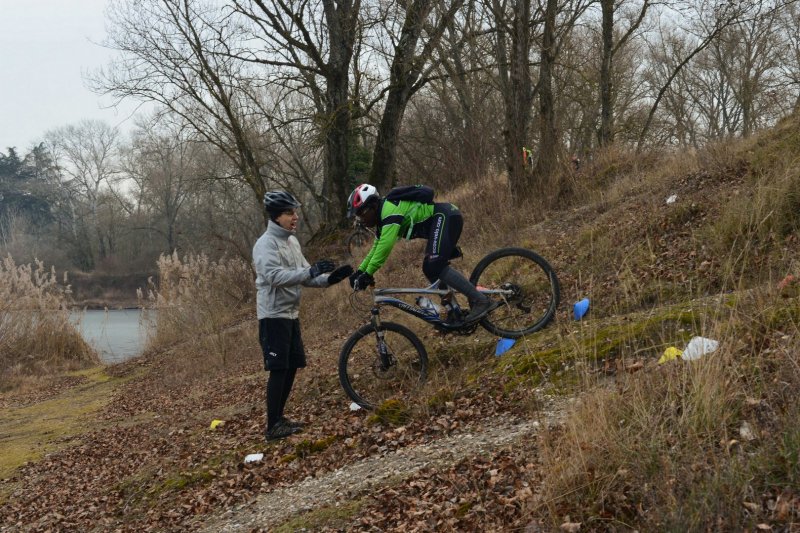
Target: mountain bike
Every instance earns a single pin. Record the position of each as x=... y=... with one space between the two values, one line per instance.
x=382 y=360
x=360 y=237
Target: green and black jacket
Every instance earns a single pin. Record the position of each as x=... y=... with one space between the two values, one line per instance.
x=398 y=219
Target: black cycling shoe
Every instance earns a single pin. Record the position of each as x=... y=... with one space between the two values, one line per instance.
x=293 y=423
x=480 y=309
x=281 y=430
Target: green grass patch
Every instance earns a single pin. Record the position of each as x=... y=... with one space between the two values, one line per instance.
x=307 y=447
x=329 y=517
x=30 y=432
x=643 y=334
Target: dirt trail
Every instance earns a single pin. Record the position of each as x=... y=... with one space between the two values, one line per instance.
x=355 y=480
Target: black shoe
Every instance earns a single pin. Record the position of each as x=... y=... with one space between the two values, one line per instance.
x=478 y=310
x=293 y=423
x=281 y=431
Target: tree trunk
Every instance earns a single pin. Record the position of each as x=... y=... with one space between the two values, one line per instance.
x=606 y=134
x=341 y=18
x=515 y=86
x=549 y=150
x=404 y=74
x=518 y=111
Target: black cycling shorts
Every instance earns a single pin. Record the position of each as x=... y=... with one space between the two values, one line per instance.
x=443 y=234
x=281 y=343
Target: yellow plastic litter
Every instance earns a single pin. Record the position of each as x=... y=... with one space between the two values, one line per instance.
x=215 y=423
x=670 y=354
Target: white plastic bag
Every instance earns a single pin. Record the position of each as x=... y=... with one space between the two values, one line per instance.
x=254 y=458
x=698 y=347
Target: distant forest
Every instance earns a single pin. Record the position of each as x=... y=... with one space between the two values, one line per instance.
x=252 y=95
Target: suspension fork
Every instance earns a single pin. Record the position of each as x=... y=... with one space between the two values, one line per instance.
x=383 y=350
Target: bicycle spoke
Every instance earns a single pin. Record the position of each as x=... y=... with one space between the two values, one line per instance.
x=374 y=378
x=533 y=286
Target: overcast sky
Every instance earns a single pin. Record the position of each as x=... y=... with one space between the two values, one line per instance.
x=45 y=47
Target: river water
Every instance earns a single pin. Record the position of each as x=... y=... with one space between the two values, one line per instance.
x=117 y=335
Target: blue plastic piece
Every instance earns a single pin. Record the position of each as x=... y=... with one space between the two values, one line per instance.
x=581 y=308
x=503 y=345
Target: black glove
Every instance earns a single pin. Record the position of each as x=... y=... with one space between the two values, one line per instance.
x=363 y=281
x=353 y=277
x=339 y=274
x=320 y=267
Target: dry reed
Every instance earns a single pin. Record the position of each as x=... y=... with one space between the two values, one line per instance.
x=198 y=301
x=37 y=336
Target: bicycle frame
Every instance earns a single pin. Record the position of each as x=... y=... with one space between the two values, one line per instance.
x=381 y=297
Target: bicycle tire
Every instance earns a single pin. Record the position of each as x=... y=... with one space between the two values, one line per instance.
x=538 y=291
x=357 y=239
x=360 y=372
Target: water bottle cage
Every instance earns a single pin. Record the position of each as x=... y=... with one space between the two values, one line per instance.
x=453 y=313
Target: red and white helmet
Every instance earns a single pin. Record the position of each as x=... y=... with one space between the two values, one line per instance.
x=363 y=195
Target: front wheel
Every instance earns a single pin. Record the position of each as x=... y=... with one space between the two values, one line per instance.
x=531 y=291
x=376 y=365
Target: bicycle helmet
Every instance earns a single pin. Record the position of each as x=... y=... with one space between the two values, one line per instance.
x=363 y=196
x=277 y=202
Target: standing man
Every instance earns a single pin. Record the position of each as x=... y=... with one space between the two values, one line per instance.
x=281 y=270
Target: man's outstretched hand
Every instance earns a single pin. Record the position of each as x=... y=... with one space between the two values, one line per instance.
x=339 y=274
x=321 y=267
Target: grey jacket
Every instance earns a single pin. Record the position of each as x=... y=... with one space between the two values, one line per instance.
x=280 y=271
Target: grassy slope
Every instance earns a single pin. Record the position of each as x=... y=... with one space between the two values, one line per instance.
x=645 y=446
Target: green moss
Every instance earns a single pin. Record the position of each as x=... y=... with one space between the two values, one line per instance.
x=182 y=480
x=307 y=447
x=597 y=342
x=329 y=518
x=391 y=413
x=147 y=485
x=34 y=430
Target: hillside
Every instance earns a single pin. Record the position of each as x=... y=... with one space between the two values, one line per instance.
x=576 y=428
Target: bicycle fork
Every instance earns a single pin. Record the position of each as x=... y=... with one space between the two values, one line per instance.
x=384 y=357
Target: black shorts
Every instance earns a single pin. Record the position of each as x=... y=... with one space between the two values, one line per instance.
x=281 y=343
x=443 y=235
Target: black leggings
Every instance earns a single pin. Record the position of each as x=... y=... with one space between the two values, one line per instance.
x=445 y=230
x=279 y=385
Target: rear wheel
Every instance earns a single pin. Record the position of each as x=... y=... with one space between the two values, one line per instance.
x=383 y=364
x=534 y=291
x=358 y=241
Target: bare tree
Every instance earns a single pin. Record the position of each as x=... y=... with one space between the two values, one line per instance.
x=422 y=28
x=313 y=42
x=166 y=166
x=513 y=23
x=635 y=15
x=719 y=17
x=85 y=155
x=548 y=136
x=178 y=53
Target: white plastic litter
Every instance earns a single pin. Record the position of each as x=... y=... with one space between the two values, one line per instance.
x=254 y=458
x=354 y=406
x=672 y=199
x=698 y=347
x=746 y=431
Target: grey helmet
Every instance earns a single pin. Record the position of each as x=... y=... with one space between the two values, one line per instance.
x=276 y=202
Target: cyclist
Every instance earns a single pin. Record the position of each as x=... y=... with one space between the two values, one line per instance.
x=411 y=213
x=281 y=269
